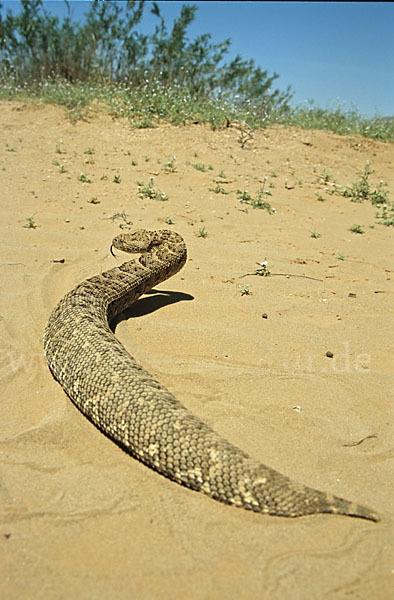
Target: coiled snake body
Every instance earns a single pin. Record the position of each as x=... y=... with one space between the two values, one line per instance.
x=135 y=410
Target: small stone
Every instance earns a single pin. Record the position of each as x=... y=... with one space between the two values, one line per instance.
x=329 y=354
x=264 y=316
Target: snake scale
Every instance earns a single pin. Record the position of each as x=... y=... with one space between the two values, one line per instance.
x=142 y=416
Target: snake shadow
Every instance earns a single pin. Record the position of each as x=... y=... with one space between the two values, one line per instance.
x=152 y=301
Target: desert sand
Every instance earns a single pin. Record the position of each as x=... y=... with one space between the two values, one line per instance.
x=80 y=518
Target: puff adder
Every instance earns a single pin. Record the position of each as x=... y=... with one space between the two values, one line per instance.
x=140 y=414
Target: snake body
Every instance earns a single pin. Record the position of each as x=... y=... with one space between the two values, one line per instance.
x=141 y=415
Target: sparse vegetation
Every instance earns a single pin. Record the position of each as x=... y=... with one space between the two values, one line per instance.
x=257 y=202
x=356 y=229
x=245 y=135
x=245 y=289
x=149 y=190
x=264 y=270
x=218 y=189
x=162 y=76
x=84 y=178
x=201 y=167
x=30 y=223
x=202 y=233
x=385 y=215
x=315 y=234
x=362 y=190
x=337 y=119
x=170 y=166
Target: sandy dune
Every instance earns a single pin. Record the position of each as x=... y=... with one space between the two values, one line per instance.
x=81 y=519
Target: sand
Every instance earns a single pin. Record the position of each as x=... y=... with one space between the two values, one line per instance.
x=80 y=518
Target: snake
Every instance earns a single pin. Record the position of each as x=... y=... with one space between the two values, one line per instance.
x=138 y=413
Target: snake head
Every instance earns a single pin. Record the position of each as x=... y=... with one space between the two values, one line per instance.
x=134 y=242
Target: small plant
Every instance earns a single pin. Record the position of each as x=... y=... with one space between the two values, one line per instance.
x=319 y=197
x=386 y=215
x=89 y=150
x=264 y=269
x=315 y=234
x=84 y=178
x=148 y=190
x=59 y=149
x=62 y=169
x=356 y=229
x=169 y=221
x=245 y=134
x=116 y=179
x=245 y=289
x=361 y=190
x=56 y=162
x=134 y=163
x=170 y=167
x=103 y=177
x=222 y=175
x=201 y=167
x=218 y=189
x=10 y=148
x=341 y=256
x=258 y=202
x=202 y=233
x=30 y=223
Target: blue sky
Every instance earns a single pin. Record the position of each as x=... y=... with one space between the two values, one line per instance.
x=336 y=53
